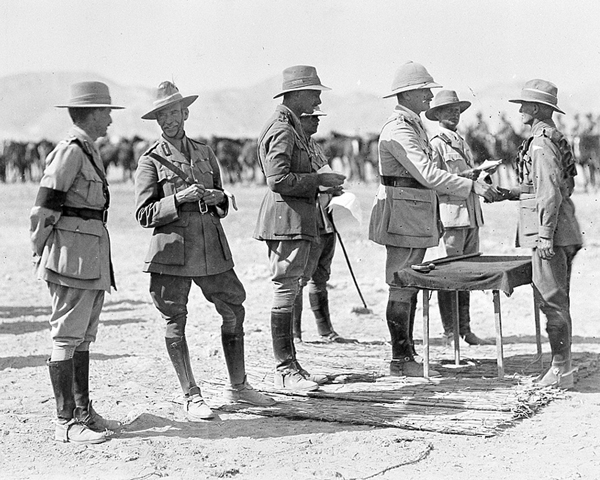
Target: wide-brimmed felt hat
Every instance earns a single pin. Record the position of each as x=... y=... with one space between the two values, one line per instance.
x=90 y=95
x=300 y=77
x=168 y=94
x=445 y=98
x=317 y=112
x=539 y=91
x=411 y=76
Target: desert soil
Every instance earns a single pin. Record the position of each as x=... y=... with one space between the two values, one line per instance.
x=132 y=380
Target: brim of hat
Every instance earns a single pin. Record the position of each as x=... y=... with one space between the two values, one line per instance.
x=520 y=100
x=463 y=104
x=408 y=88
x=321 y=114
x=186 y=101
x=308 y=87
x=93 y=105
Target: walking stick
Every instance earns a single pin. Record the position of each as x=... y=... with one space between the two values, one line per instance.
x=364 y=308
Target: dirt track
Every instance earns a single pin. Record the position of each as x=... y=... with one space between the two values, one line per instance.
x=131 y=374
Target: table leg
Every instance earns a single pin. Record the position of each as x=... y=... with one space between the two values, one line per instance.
x=456 y=330
x=498 y=321
x=538 y=330
x=426 y=333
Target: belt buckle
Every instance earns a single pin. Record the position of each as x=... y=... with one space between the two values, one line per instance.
x=203 y=207
x=104 y=216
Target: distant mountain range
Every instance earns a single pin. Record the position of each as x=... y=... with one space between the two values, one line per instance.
x=27 y=107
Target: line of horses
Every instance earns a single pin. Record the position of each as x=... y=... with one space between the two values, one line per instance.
x=355 y=156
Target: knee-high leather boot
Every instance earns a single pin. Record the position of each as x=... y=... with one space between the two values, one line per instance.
x=446 y=305
x=180 y=358
x=561 y=371
x=281 y=334
x=69 y=429
x=319 y=304
x=239 y=390
x=84 y=411
x=297 y=316
x=233 y=350
x=193 y=405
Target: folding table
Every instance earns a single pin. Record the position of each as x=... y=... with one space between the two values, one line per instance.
x=476 y=273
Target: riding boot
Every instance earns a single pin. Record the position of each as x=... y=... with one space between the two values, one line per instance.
x=561 y=371
x=61 y=376
x=446 y=304
x=180 y=358
x=411 y=324
x=233 y=349
x=193 y=406
x=81 y=390
x=281 y=334
x=297 y=318
x=239 y=389
x=69 y=429
x=319 y=304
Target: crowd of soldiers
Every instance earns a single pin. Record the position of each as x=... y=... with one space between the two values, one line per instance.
x=355 y=155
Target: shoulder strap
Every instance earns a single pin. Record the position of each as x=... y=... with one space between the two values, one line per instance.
x=176 y=170
x=100 y=173
x=448 y=142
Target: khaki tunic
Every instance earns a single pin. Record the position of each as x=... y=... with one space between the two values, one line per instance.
x=456 y=158
x=71 y=251
x=184 y=243
x=289 y=209
x=402 y=216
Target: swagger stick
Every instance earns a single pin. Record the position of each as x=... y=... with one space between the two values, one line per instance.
x=364 y=308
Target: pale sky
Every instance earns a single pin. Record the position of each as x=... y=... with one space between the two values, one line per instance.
x=213 y=44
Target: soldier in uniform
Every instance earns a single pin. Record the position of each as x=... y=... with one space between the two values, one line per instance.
x=178 y=192
x=288 y=215
x=405 y=216
x=72 y=252
x=547 y=222
x=461 y=217
x=318 y=268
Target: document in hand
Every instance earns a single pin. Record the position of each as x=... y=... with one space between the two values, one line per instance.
x=489 y=165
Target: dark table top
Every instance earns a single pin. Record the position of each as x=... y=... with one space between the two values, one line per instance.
x=489 y=272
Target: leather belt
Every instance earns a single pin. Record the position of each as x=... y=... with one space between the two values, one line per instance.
x=407 y=182
x=193 y=207
x=85 y=213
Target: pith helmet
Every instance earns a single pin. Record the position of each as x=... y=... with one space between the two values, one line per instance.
x=90 y=95
x=168 y=94
x=445 y=98
x=300 y=77
x=411 y=76
x=539 y=91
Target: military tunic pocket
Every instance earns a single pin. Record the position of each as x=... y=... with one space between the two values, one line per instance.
x=74 y=248
x=412 y=213
x=528 y=221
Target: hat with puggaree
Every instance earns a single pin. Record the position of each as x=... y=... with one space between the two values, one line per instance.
x=445 y=98
x=317 y=112
x=300 y=77
x=539 y=91
x=411 y=76
x=90 y=95
x=168 y=94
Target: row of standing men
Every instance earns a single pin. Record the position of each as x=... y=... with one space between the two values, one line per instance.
x=179 y=194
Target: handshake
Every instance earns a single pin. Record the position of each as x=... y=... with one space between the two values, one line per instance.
x=494 y=194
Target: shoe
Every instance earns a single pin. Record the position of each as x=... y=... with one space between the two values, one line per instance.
x=409 y=368
x=93 y=420
x=75 y=431
x=244 y=393
x=297 y=339
x=473 y=339
x=334 y=337
x=196 y=409
x=559 y=375
x=293 y=380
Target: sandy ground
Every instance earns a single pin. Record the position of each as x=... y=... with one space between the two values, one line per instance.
x=133 y=381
